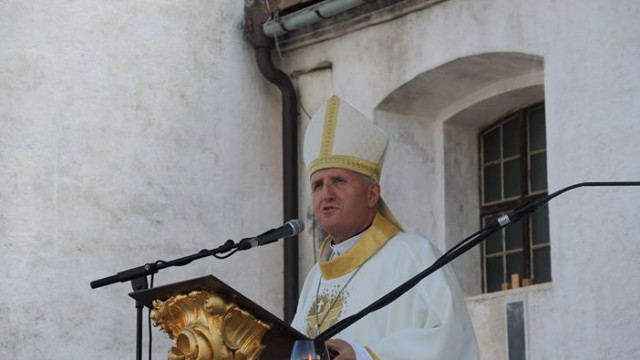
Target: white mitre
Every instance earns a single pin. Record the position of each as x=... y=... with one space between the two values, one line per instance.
x=339 y=136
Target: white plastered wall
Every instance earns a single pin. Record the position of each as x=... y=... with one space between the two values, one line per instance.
x=130 y=131
x=589 y=52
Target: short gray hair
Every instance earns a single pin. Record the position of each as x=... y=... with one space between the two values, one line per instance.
x=367 y=179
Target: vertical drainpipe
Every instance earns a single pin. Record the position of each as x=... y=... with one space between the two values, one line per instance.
x=255 y=16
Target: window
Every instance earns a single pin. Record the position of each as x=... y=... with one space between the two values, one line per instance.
x=513 y=171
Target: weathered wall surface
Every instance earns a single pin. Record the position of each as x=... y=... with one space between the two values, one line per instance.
x=584 y=65
x=130 y=131
x=138 y=131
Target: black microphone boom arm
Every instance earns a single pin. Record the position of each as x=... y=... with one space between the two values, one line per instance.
x=290 y=228
x=459 y=249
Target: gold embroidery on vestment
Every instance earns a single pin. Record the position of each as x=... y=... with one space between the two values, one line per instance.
x=321 y=308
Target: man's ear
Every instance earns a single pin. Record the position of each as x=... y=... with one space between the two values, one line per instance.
x=373 y=195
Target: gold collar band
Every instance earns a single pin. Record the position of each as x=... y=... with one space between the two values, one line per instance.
x=374 y=238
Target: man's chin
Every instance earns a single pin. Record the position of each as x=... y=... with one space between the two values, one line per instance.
x=330 y=227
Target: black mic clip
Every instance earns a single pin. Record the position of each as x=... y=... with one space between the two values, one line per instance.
x=247 y=243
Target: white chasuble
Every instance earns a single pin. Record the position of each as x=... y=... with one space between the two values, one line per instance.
x=430 y=321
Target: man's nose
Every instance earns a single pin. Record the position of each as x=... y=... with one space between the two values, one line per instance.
x=328 y=192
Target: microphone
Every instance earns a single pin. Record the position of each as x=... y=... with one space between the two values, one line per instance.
x=290 y=228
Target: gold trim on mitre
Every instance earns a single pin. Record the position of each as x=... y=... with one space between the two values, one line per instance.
x=352 y=163
x=384 y=209
x=374 y=238
x=329 y=128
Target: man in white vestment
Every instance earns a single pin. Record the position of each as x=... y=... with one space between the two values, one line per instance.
x=369 y=255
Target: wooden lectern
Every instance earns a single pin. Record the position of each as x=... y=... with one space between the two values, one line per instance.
x=208 y=319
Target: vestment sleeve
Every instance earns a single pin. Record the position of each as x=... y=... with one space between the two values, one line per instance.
x=429 y=322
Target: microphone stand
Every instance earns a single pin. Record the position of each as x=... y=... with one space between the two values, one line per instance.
x=138 y=276
x=466 y=244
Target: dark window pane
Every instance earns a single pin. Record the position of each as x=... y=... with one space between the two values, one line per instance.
x=492 y=183
x=542 y=265
x=514 y=264
x=511 y=175
x=511 y=137
x=538 y=172
x=537 y=130
x=493 y=244
x=513 y=236
x=491 y=145
x=495 y=276
x=540 y=226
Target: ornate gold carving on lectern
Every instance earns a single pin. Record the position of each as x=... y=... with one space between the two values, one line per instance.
x=205 y=327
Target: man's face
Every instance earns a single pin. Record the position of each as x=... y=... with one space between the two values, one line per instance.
x=344 y=202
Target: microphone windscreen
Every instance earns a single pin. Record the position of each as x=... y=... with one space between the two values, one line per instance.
x=297 y=225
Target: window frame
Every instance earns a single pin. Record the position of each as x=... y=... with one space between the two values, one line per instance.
x=495 y=208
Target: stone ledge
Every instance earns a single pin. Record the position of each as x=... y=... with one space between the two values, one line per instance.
x=510 y=292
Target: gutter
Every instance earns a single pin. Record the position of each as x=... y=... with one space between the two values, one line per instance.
x=255 y=16
x=276 y=26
